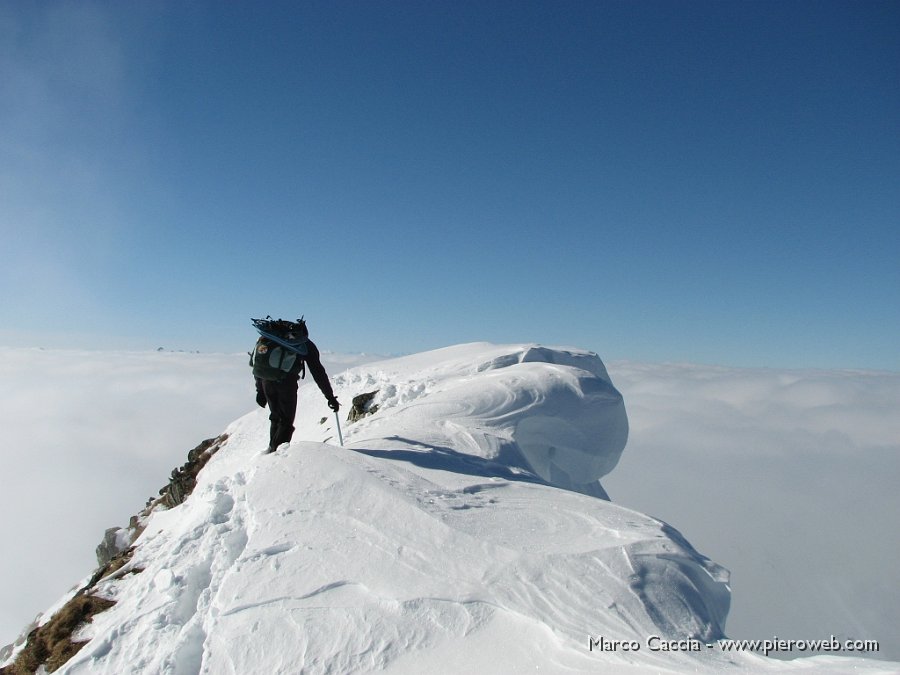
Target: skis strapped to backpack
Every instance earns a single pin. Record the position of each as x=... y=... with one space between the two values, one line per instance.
x=292 y=335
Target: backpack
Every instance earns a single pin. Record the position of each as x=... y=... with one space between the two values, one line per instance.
x=280 y=345
x=271 y=361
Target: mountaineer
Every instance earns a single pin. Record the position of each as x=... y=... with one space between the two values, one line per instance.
x=279 y=359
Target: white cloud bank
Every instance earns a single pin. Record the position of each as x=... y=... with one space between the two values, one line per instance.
x=785 y=477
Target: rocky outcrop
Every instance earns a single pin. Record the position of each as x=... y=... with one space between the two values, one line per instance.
x=115 y=540
x=362 y=406
x=184 y=479
x=51 y=645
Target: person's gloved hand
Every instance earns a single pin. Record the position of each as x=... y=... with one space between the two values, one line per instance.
x=333 y=404
x=260 y=399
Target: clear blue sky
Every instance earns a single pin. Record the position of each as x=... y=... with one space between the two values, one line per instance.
x=714 y=182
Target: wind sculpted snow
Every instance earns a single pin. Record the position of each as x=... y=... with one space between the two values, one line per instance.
x=553 y=413
x=431 y=542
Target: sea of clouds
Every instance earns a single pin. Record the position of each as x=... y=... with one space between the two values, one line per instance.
x=788 y=478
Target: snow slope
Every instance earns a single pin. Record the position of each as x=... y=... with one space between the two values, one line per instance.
x=437 y=540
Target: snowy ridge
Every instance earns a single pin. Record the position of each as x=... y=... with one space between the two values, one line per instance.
x=437 y=540
x=554 y=413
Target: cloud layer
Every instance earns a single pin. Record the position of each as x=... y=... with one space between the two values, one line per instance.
x=786 y=477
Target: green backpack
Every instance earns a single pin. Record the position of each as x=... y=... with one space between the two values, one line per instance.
x=270 y=361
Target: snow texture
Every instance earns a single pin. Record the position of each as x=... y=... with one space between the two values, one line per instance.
x=437 y=540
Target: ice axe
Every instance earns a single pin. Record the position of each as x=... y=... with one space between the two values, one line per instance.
x=340 y=435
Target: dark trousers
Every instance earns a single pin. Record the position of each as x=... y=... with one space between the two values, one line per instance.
x=282 y=400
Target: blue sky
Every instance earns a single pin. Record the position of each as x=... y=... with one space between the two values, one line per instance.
x=709 y=182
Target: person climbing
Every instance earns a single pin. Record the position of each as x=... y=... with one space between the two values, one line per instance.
x=279 y=360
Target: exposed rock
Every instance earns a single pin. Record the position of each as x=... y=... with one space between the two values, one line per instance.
x=51 y=645
x=362 y=406
x=8 y=650
x=115 y=540
x=184 y=479
x=112 y=566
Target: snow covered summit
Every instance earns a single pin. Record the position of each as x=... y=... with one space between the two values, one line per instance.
x=438 y=539
x=552 y=412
